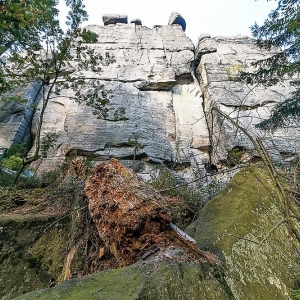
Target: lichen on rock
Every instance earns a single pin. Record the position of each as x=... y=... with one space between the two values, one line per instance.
x=235 y=223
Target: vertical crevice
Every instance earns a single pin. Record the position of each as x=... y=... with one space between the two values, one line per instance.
x=23 y=133
x=208 y=116
x=177 y=154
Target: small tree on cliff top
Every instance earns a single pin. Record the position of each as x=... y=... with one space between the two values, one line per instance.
x=280 y=30
x=54 y=61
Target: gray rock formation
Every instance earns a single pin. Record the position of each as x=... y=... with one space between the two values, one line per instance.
x=159 y=104
x=136 y=21
x=176 y=18
x=156 y=102
x=16 y=117
x=114 y=19
x=219 y=61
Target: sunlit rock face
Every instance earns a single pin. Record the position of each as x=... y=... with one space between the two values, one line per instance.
x=219 y=61
x=161 y=110
x=157 y=104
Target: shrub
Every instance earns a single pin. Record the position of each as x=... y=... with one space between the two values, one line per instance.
x=12 y=162
x=185 y=200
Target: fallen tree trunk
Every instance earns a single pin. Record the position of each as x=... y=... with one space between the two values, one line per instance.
x=132 y=217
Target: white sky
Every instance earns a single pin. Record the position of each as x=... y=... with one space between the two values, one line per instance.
x=216 y=17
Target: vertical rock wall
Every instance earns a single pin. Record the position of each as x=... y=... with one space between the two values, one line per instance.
x=220 y=59
x=159 y=104
x=16 y=118
x=158 y=96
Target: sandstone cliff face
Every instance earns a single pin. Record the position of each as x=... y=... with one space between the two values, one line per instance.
x=160 y=104
x=219 y=60
x=158 y=97
x=16 y=118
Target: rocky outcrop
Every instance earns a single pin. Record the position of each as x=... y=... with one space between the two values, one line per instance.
x=16 y=116
x=219 y=60
x=176 y=18
x=244 y=225
x=114 y=19
x=157 y=104
x=136 y=21
x=159 y=114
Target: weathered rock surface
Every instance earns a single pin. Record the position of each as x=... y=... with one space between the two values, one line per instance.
x=30 y=258
x=241 y=225
x=159 y=105
x=157 y=102
x=176 y=18
x=114 y=19
x=166 y=280
x=16 y=117
x=136 y=21
x=219 y=61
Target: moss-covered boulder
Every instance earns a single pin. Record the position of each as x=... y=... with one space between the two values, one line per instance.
x=30 y=257
x=234 y=225
x=166 y=280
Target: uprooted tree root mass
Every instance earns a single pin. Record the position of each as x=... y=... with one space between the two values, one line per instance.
x=132 y=217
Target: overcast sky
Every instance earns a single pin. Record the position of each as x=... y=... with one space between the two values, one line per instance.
x=216 y=17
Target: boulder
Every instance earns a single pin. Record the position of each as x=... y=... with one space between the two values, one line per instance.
x=114 y=19
x=203 y=36
x=176 y=18
x=136 y=21
x=241 y=225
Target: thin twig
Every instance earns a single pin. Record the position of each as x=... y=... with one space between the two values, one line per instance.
x=64 y=217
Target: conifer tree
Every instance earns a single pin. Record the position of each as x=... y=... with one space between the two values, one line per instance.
x=280 y=30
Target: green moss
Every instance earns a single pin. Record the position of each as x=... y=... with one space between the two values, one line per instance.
x=157 y=281
x=114 y=284
x=233 y=224
x=26 y=251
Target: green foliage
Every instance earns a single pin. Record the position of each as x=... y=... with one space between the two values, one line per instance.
x=284 y=114
x=193 y=199
x=233 y=71
x=46 y=179
x=296 y=278
x=17 y=150
x=21 y=22
x=12 y=162
x=55 y=59
x=21 y=25
x=133 y=142
x=52 y=176
x=234 y=156
x=13 y=157
x=120 y=114
x=280 y=30
x=48 y=142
